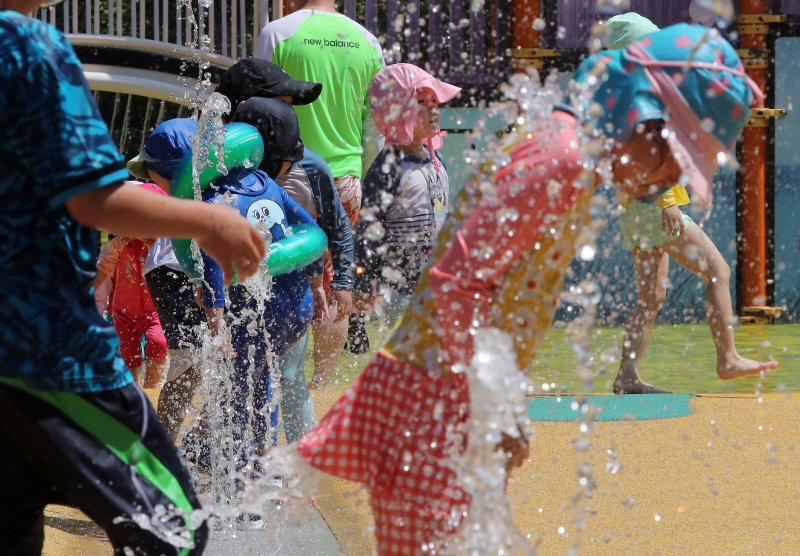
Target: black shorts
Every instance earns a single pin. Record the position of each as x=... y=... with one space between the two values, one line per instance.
x=104 y=453
x=173 y=296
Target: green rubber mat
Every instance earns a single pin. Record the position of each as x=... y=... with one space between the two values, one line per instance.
x=611 y=408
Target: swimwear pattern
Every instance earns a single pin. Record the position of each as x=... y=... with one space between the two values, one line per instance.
x=53 y=145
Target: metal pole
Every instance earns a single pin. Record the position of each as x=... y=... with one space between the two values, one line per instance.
x=752 y=191
x=523 y=13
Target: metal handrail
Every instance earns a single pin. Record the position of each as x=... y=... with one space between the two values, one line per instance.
x=149 y=46
x=150 y=84
x=144 y=72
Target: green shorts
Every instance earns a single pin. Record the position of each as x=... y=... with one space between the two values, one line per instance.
x=641 y=226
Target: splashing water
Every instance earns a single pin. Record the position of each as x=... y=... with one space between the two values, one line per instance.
x=200 y=43
x=210 y=136
x=495 y=382
x=497 y=408
x=225 y=464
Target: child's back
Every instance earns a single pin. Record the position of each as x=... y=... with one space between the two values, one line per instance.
x=280 y=320
x=288 y=309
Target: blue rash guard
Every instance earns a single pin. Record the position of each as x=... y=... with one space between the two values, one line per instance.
x=287 y=312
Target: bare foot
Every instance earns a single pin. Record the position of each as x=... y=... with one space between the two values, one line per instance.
x=635 y=386
x=743 y=367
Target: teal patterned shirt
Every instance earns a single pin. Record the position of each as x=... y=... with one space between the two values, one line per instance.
x=53 y=145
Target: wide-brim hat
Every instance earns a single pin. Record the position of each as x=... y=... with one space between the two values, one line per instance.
x=393 y=101
x=713 y=100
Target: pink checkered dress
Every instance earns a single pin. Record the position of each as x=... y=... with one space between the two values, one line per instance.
x=395 y=431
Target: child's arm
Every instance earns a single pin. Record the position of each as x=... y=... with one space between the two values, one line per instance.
x=212 y=300
x=128 y=210
x=295 y=214
x=213 y=290
x=334 y=221
x=109 y=258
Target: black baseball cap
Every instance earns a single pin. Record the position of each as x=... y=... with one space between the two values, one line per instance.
x=254 y=77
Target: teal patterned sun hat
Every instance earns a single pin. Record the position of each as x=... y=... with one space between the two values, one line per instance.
x=686 y=75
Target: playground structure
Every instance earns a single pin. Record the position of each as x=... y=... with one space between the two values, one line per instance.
x=132 y=52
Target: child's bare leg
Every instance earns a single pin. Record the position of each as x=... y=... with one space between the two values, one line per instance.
x=650 y=269
x=155 y=351
x=329 y=339
x=155 y=369
x=175 y=400
x=138 y=373
x=695 y=251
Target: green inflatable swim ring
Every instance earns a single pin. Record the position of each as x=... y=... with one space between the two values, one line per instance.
x=244 y=147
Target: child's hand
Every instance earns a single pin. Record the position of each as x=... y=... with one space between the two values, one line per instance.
x=342 y=300
x=321 y=312
x=516 y=449
x=672 y=221
x=233 y=243
x=215 y=318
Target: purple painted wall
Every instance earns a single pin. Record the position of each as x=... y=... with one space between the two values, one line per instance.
x=575 y=17
x=450 y=38
x=788 y=7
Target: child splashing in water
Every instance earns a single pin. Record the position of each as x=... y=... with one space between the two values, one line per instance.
x=499 y=263
x=655 y=229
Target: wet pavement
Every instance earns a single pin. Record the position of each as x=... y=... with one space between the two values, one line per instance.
x=281 y=534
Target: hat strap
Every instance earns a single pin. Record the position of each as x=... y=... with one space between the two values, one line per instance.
x=639 y=54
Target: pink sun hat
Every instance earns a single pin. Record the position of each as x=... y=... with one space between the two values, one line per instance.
x=393 y=101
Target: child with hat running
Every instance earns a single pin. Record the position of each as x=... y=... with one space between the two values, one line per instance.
x=655 y=229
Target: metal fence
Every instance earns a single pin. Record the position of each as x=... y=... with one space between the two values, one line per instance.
x=464 y=41
x=231 y=25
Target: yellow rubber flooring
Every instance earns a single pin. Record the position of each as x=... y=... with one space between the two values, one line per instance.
x=722 y=480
